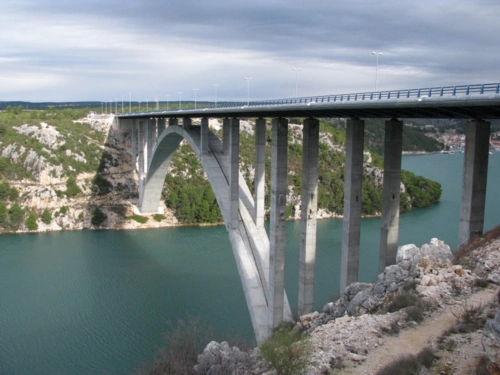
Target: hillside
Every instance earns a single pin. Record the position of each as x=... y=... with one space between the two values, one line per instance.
x=60 y=169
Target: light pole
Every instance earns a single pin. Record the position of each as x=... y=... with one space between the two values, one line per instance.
x=297 y=70
x=216 y=85
x=377 y=54
x=180 y=102
x=122 y=103
x=130 y=102
x=147 y=105
x=157 y=104
x=139 y=105
x=102 y=108
x=168 y=96
x=116 y=105
x=248 y=89
x=195 y=90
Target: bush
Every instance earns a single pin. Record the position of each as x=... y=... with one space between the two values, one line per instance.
x=98 y=217
x=158 y=217
x=72 y=188
x=46 y=217
x=287 y=351
x=63 y=210
x=426 y=357
x=184 y=342
x=31 y=223
x=102 y=185
x=404 y=365
x=139 y=219
x=402 y=300
x=16 y=216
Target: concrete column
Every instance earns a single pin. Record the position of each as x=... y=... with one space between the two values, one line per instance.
x=353 y=182
x=260 y=171
x=475 y=173
x=278 y=216
x=234 y=171
x=134 y=145
x=310 y=146
x=161 y=126
x=173 y=121
x=393 y=147
x=141 y=159
x=151 y=140
x=186 y=123
x=226 y=125
x=204 y=135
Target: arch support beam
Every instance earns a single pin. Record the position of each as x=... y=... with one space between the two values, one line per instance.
x=393 y=148
x=353 y=182
x=475 y=173
x=307 y=261
x=279 y=158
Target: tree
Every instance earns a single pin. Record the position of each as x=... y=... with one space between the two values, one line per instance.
x=3 y=213
x=31 y=223
x=16 y=215
x=4 y=189
x=46 y=217
x=72 y=188
x=98 y=217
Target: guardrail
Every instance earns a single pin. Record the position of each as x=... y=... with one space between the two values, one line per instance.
x=446 y=91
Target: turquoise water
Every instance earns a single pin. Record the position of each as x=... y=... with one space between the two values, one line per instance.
x=99 y=302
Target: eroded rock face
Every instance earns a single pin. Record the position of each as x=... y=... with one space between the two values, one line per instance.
x=491 y=339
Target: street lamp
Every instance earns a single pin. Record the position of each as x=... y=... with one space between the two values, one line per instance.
x=248 y=79
x=168 y=96
x=216 y=85
x=122 y=103
x=377 y=54
x=116 y=105
x=297 y=70
x=195 y=90
x=130 y=102
x=180 y=102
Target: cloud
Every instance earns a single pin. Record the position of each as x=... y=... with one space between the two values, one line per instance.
x=155 y=48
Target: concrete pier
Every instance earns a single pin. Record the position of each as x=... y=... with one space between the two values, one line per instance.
x=161 y=126
x=353 y=182
x=307 y=261
x=173 y=121
x=141 y=158
x=475 y=173
x=260 y=171
x=133 y=150
x=393 y=146
x=204 y=135
x=279 y=157
x=234 y=171
x=226 y=129
x=150 y=141
x=186 y=122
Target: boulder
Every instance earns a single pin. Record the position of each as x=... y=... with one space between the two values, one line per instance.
x=491 y=338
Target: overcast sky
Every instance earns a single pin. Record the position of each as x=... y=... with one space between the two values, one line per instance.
x=61 y=50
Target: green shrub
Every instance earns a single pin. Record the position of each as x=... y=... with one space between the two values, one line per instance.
x=72 y=188
x=16 y=216
x=46 y=217
x=404 y=365
x=288 y=351
x=158 y=217
x=101 y=185
x=402 y=300
x=426 y=357
x=13 y=194
x=63 y=210
x=414 y=314
x=98 y=217
x=3 y=213
x=139 y=219
x=31 y=223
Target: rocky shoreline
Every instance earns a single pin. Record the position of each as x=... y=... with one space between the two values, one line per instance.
x=350 y=331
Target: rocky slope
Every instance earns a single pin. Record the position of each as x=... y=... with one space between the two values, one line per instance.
x=364 y=331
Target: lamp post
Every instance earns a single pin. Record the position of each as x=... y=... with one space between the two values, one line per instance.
x=180 y=102
x=168 y=96
x=377 y=54
x=130 y=102
x=116 y=105
x=102 y=108
x=147 y=105
x=297 y=70
x=122 y=103
x=215 y=86
x=248 y=79
x=195 y=90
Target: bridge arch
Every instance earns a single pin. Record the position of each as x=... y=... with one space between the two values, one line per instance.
x=249 y=243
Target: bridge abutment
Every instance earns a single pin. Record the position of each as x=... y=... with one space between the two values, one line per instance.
x=393 y=147
x=353 y=181
x=309 y=208
x=475 y=172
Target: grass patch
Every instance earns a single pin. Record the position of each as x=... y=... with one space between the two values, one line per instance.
x=139 y=219
x=158 y=217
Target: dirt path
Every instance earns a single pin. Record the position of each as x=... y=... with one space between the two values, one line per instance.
x=413 y=340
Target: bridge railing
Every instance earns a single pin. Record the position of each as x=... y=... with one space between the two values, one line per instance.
x=445 y=91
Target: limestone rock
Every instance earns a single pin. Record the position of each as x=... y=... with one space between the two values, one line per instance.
x=491 y=338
